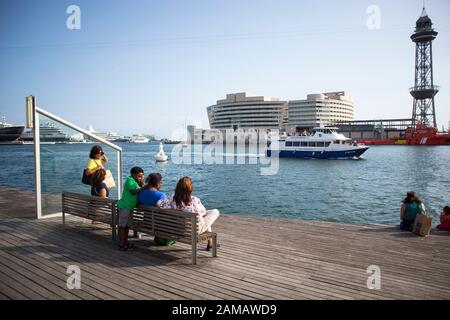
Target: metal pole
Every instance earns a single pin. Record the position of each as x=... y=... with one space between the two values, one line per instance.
x=119 y=174
x=37 y=161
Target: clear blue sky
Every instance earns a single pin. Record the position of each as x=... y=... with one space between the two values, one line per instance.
x=146 y=66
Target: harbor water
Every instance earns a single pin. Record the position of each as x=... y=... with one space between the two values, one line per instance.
x=368 y=190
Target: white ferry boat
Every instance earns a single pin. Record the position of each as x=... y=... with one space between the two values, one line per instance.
x=322 y=143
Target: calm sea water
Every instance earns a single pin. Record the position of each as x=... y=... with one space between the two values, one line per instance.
x=355 y=191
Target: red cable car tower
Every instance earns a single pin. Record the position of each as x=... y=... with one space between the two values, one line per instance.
x=424 y=127
x=424 y=90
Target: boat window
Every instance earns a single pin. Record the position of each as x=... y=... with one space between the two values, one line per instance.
x=289 y=144
x=296 y=144
x=327 y=144
x=320 y=144
x=304 y=144
x=311 y=144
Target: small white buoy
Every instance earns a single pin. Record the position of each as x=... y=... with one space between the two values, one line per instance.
x=161 y=156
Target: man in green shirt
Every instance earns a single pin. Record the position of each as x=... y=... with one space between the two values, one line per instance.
x=133 y=185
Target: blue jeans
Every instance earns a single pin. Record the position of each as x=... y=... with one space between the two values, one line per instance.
x=407 y=225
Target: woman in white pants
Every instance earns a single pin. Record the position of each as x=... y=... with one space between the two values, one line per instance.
x=184 y=200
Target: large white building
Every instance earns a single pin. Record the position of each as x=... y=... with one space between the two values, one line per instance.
x=323 y=108
x=246 y=111
x=243 y=111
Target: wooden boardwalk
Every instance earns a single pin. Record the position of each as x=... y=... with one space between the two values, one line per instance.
x=258 y=259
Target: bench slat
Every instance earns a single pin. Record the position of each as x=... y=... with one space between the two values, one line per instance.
x=180 y=220
x=172 y=212
x=162 y=228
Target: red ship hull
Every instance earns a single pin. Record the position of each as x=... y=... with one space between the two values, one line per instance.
x=421 y=135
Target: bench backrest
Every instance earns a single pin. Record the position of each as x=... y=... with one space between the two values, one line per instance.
x=91 y=207
x=174 y=223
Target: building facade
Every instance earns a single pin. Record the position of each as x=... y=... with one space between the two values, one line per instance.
x=323 y=108
x=242 y=111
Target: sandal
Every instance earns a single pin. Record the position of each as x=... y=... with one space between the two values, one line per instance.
x=127 y=247
x=130 y=246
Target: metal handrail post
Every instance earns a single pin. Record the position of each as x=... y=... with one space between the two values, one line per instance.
x=35 y=111
x=119 y=174
x=37 y=162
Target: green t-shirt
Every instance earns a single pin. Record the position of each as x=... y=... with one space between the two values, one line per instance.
x=129 y=200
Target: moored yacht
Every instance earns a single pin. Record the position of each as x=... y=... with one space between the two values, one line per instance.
x=9 y=132
x=138 y=138
x=321 y=143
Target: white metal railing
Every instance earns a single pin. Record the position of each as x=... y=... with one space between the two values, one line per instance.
x=32 y=121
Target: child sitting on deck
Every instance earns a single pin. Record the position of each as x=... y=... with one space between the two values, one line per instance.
x=411 y=207
x=133 y=185
x=445 y=219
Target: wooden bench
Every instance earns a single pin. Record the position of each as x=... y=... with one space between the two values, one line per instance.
x=90 y=207
x=170 y=224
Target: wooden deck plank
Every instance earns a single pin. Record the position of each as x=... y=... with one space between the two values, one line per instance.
x=97 y=275
x=29 y=256
x=39 y=276
x=84 y=251
x=259 y=259
x=171 y=274
x=4 y=297
x=30 y=289
x=11 y=292
x=100 y=281
x=333 y=270
x=260 y=288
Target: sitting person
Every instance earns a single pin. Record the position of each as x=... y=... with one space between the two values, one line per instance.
x=98 y=185
x=98 y=189
x=184 y=200
x=445 y=219
x=410 y=208
x=152 y=197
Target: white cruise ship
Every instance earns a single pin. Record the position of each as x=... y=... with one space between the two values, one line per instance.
x=49 y=133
